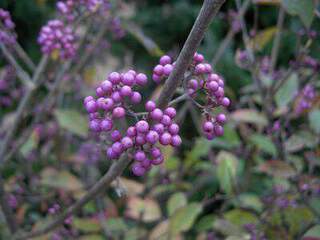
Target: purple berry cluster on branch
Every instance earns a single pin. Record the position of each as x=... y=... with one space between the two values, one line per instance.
x=70 y=9
x=56 y=36
x=306 y=98
x=115 y=99
x=7 y=34
x=10 y=91
x=200 y=79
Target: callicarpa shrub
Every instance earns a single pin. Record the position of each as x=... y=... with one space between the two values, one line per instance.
x=116 y=96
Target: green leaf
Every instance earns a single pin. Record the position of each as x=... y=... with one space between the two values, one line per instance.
x=183 y=219
x=86 y=224
x=175 y=202
x=249 y=201
x=226 y=170
x=72 y=121
x=287 y=92
x=314 y=119
x=116 y=225
x=29 y=145
x=259 y=41
x=302 y=8
x=249 y=116
x=313 y=232
x=205 y=223
x=240 y=217
x=264 y=143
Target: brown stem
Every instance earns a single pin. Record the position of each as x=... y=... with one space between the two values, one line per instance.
x=207 y=12
x=115 y=170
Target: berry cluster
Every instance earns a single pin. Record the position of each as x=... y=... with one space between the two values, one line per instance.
x=163 y=69
x=234 y=21
x=116 y=28
x=7 y=34
x=70 y=8
x=9 y=90
x=200 y=79
x=115 y=97
x=55 y=36
x=307 y=96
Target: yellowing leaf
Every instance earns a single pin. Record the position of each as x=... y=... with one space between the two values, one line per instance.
x=86 y=224
x=277 y=168
x=262 y=38
x=51 y=177
x=226 y=170
x=249 y=116
x=55 y=54
x=147 y=208
x=72 y=121
x=175 y=202
x=132 y=187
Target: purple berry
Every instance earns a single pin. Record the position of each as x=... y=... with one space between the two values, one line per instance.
x=141 y=79
x=158 y=160
x=165 y=138
x=156 y=114
x=127 y=142
x=165 y=60
x=126 y=91
x=115 y=135
x=150 y=106
x=106 y=125
x=142 y=126
x=207 y=126
x=221 y=118
x=136 y=97
x=138 y=169
x=218 y=130
x=171 y=112
x=152 y=137
x=118 y=112
x=114 y=77
x=174 y=128
x=176 y=141
x=140 y=156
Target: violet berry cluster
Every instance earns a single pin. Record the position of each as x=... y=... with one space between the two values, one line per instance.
x=70 y=9
x=7 y=34
x=115 y=97
x=57 y=37
x=9 y=90
x=116 y=28
x=307 y=96
x=201 y=79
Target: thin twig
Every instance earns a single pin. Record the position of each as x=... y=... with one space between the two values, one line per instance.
x=208 y=10
x=22 y=54
x=23 y=75
x=230 y=35
x=115 y=170
x=21 y=108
